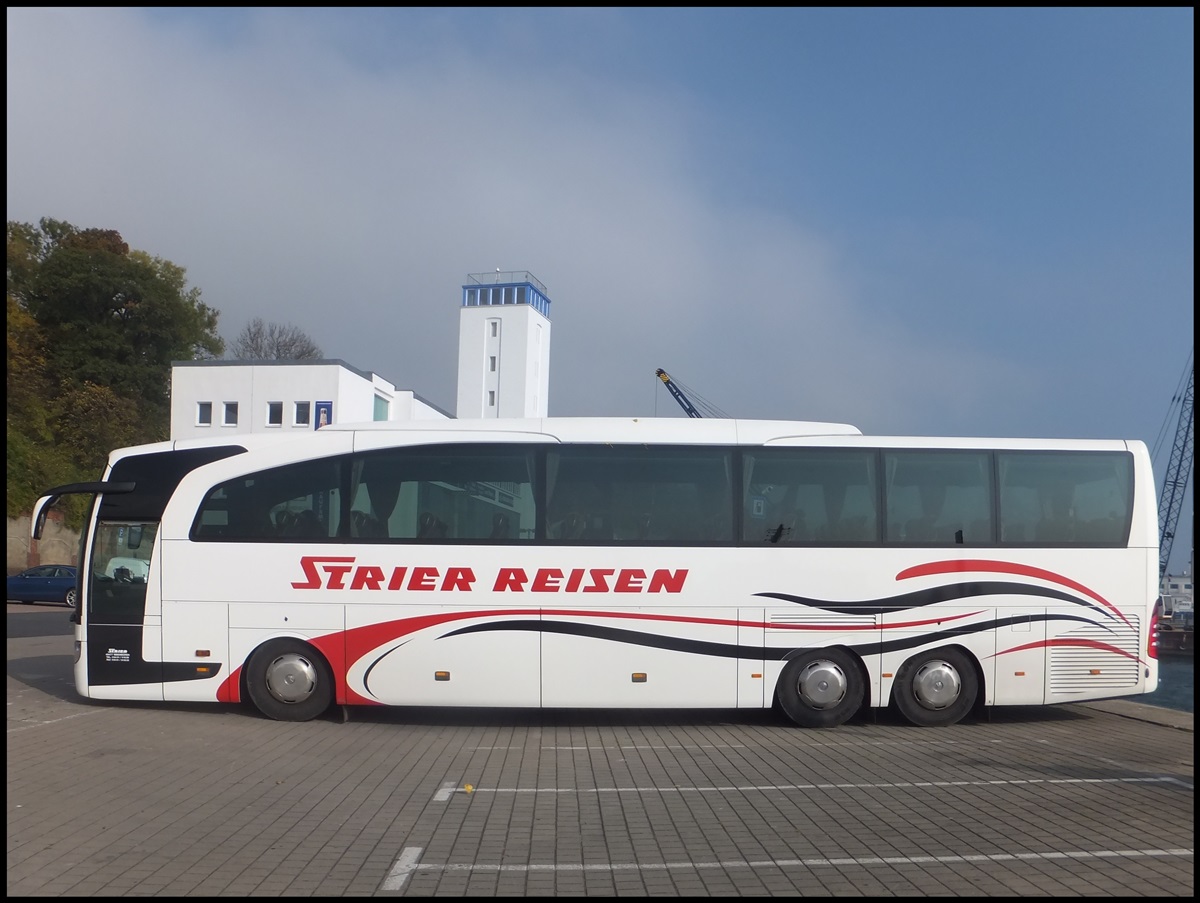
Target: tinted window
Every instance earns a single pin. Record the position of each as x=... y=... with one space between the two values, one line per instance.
x=1069 y=498
x=805 y=495
x=298 y=501
x=431 y=493
x=446 y=493
x=155 y=477
x=634 y=493
x=938 y=497
x=615 y=494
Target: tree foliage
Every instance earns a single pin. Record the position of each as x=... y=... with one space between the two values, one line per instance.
x=261 y=341
x=93 y=328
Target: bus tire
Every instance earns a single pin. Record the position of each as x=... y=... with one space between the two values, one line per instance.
x=288 y=680
x=821 y=688
x=936 y=688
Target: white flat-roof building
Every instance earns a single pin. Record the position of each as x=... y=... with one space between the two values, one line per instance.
x=259 y=396
x=503 y=371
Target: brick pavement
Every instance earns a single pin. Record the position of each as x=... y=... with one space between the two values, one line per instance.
x=154 y=799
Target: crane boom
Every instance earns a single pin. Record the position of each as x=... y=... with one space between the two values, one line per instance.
x=1179 y=471
x=677 y=393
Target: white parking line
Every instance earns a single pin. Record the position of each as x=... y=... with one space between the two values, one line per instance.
x=447 y=790
x=43 y=723
x=407 y=863
x=598 y=747
x=402 y=869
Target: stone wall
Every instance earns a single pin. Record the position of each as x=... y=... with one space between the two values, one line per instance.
x=58 y=545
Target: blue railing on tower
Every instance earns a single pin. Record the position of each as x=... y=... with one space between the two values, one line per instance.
x=506 y=287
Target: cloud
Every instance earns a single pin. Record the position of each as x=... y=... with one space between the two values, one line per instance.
x=761 y=225
x=302 y=175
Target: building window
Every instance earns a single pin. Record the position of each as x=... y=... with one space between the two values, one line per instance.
x=492 y=361
x=303 y=412
x=231 y=413
x=491 y=398
x=381 y=408
x=495 y=328
x=274 y=413
x=204 y=413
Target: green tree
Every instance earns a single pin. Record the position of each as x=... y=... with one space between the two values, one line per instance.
x=117 y=318
x=93 y=329
x=35 y=460
x=97 y=420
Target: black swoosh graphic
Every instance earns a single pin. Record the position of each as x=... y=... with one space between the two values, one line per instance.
x=732 y=650
x=924 y=597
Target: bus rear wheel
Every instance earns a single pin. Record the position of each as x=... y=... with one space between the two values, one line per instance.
x=936 y=688
x=287 y=680
x=821 y=688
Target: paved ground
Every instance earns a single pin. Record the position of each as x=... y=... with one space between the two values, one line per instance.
x=152 y=799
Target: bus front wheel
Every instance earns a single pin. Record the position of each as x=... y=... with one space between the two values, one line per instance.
x=287 y=680
x=936 y=688
x=821 y=688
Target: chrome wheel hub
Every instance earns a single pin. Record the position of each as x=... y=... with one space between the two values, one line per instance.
x=822 y=684
x=291 y=678
x=937 y=685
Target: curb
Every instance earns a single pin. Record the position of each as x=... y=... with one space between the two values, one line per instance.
x=1140 y=711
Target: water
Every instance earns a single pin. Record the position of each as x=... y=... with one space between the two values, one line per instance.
x=1176 y=684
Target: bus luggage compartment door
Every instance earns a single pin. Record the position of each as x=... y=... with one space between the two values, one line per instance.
x=630 y=658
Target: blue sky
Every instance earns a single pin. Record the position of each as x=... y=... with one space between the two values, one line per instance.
x=925 y=221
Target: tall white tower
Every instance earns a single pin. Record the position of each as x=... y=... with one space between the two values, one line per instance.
x=503 y=347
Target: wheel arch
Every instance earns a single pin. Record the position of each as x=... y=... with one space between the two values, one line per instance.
x=320 y=648
x=886 y=692
x=969 y=659
x=859 y=664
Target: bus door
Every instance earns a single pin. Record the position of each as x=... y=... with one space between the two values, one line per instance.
x=114 y=619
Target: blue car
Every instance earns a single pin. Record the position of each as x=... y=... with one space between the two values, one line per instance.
x=44 y=583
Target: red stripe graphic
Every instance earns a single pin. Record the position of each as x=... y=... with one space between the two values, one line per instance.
x=1006 y=567
x=1067 y=641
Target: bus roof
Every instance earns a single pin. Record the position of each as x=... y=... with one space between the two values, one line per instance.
x=619 y=429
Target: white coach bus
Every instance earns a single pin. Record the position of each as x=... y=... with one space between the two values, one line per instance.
x=619 y=563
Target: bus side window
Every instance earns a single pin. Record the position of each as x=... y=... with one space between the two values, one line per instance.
x=306 y=525
x=1067 y=498
x=1058 y=518
x=576 y=511
x=364 y=525
x=806 y=495
x=979 y=530
x=939 y=497
x=430 y=526
x=501 y=526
